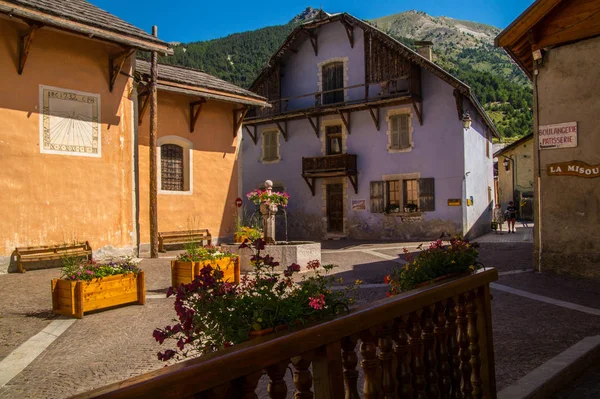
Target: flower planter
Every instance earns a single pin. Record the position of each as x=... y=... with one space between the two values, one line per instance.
x=74 y=298
x=184 y=272
x=239 y=238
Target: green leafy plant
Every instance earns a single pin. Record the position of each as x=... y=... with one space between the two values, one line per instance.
x=197 y=253
x=459 y=256
x=251 y=233
x=83 y=269
x=212 y=313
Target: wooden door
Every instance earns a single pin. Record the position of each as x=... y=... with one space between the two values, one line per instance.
x=335 y=208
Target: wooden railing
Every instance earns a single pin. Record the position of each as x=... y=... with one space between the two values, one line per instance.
x=432 y=342
x=330 y=163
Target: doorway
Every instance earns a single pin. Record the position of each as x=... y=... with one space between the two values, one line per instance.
x=335 y=208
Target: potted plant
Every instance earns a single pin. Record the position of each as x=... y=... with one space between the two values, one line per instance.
x=411 y=208
x=244 y=233
x=213 y=313
x=268 y=197
x=189 y=264
x=86 y=285
x=392 y=208
x=436 y=263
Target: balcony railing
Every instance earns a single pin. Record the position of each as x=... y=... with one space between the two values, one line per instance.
x=342 y=164
x=435 y=341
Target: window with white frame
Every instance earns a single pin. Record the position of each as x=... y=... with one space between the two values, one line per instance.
x=399 y=132
x=270 y=146
x=175 y=160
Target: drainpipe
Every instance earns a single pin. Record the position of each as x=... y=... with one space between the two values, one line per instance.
x=537 y=222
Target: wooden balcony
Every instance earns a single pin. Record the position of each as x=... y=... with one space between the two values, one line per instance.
x=330 y=166
x=435 y=341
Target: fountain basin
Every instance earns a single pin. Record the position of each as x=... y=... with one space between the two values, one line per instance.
x=286 y=253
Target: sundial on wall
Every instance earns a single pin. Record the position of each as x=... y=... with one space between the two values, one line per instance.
x=70 y=122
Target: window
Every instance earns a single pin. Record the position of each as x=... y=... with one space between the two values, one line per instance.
x=399 y=132
x=172 y=167
x=175 y=161
x=270 y=142
x=411 y=192
x=333 y=78
x=417 y=194
x=393 y=194
x=334 y=139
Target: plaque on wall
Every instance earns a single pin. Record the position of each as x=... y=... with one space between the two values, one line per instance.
x=573 y=168
x=69 y=122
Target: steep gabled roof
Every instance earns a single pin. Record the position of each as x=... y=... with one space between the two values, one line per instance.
x=548 y=23
x=324 y=18
x=200 y=83
x=514 y=145
x=85 y=18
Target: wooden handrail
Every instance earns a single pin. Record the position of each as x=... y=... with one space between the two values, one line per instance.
x=213 y=370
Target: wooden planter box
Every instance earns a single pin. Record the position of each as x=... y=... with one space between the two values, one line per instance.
x=74 y=298
x=184 y=272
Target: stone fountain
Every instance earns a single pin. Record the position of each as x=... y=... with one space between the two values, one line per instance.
x=284 y=252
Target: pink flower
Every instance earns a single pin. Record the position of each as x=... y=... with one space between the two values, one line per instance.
x=313 y=264
x=317 y=302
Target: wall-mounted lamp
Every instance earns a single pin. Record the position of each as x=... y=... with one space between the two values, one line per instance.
x=466 y=119
x=506 y=164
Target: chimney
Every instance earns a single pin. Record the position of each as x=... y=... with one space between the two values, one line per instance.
x=424 y=49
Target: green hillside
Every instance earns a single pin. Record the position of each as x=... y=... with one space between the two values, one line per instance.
x=463 y=48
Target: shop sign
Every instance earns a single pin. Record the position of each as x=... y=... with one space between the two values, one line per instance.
x=562 y=135
x=573 y=168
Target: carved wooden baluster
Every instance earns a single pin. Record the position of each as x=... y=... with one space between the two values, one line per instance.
x=453 y=348
x=464 y=353
x=386 y=357
x=441 y=334
x=402 y=351
x=431 y=375
x=302 y=376
x=416 y=348
x=368 y=351
x=350 y=360
x=277 y=387
x=249 y=384
x=474 y=344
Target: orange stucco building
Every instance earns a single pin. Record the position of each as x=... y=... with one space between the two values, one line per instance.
x=73 y=165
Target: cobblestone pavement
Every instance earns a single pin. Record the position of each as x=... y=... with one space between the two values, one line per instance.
x=109 y=346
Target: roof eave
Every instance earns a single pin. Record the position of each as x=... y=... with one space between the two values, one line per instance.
x=86 y=30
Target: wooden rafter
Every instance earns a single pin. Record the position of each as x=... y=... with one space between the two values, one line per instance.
x=195 y=109
x=346 y=121
x=375 y=116
x=252 y=136
x=283 y=129
x=313 y=40
x=25 y=45
x=238 y=118
x=354 y=181
x=143 y=103
x=311 y=184
x=459 y=103
x=418 y=112
x=314 y=125
x=349 y=32
x=115 y=64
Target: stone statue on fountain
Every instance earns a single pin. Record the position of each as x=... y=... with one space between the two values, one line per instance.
x=268 y=211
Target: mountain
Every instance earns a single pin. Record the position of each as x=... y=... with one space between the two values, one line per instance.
x=463 y=48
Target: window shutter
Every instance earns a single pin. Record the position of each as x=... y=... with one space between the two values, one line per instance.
x=427 y=194
x=377 y=197
x=395 y=139
x=404 y=136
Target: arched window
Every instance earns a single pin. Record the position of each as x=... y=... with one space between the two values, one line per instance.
x=172 y=168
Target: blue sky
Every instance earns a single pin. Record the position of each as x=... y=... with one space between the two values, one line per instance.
x=186 y=21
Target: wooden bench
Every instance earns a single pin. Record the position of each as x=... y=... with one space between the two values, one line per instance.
x=182 y=237
x=51 y=252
